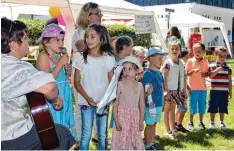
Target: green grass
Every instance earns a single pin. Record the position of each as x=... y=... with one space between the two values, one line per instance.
x=201 y=139
x=198 y=139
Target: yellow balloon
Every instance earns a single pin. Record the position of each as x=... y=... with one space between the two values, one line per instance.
x=54 y=12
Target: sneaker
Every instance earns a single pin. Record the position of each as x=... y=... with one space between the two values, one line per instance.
x=156 y=137
x=174 y=132
x=212 y=125
x=152 y=147
x=94 y=140
x=169 y=134
x=190 y=126
x=155 y=147
x=109 y=141
x=222 y=126
x=180 y=128
x=201 y=126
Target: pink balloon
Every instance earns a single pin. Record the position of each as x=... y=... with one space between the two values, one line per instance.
x=61 y=20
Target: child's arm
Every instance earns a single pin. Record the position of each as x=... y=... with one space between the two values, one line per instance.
x=80 y=45
x=110 y=67
x=165 y=85
x=189 y=70
x=185 y=86
x=44 y=65
x=189 y=73
x=115 y=110
x=205 y=73
x=147 y=80
x=149 y=90
x=213 y=73
x=190 y=43
x=230 y=86
x=142 y=108
x=80 y=89
x=110 y=75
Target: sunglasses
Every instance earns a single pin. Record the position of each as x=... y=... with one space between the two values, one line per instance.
x=97 y=14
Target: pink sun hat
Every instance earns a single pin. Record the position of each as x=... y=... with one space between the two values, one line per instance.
x=51 y=31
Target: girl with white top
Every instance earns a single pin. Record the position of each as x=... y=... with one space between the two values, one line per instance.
x=93 y=71
x=90 y=13
x=173 y=72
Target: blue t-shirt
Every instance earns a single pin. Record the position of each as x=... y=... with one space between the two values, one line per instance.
x=154 y=78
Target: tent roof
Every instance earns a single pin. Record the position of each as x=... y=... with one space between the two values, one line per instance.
x=119 y=7
x=115 y=8
x=191 y=20
x=113 y=4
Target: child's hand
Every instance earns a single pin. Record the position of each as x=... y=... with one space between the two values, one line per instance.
x=184 y=94
x=118 y=126
x=189 y=88
x=139 y=76
x=58 y=104
x=230 y=95
x=91 y=102
x=167 y=96
x=141 y=126
x=204 y=74
x=64 y=59
x=196 y=69
x=219 y=69
x=68 y=69
x=150 y=89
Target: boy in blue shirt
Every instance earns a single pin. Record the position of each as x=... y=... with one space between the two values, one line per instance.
x=154 y=98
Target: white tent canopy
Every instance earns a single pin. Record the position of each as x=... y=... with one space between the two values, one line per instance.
x=191 y=20
x=71 y=8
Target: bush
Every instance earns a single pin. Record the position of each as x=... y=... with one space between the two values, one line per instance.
x=36 y=26
x=143 y=40
x=34 y=29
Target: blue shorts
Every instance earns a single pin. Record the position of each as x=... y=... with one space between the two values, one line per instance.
x=151 y=120
x=197 y=101
x=218 y=102
x=182 y=107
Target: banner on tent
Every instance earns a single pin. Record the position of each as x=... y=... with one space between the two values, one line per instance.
x=144 y=24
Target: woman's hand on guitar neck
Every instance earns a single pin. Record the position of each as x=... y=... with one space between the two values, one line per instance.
x=58 y=104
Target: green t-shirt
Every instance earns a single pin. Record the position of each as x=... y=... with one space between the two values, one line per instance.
x=181 y=40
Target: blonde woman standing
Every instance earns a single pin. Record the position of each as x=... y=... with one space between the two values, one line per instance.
x=90 y=14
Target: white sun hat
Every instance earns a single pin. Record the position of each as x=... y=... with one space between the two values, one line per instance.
x=134 y=60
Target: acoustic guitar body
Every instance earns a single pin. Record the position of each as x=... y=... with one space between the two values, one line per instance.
x=43 y=120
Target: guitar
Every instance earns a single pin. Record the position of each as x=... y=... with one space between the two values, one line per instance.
x=43 y=120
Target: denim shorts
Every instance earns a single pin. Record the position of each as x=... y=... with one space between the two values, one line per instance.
x=182 y=107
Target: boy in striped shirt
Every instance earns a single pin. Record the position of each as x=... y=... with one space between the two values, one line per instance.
x=221 y=87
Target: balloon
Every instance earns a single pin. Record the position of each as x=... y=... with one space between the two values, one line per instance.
x=54 y=12
x=61 y=20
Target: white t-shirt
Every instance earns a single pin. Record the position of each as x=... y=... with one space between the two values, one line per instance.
x=77 y=35
x=94 y=75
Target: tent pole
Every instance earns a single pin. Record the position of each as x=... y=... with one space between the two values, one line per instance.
x=233 y=34
x=226 y=40
x=159 y=34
